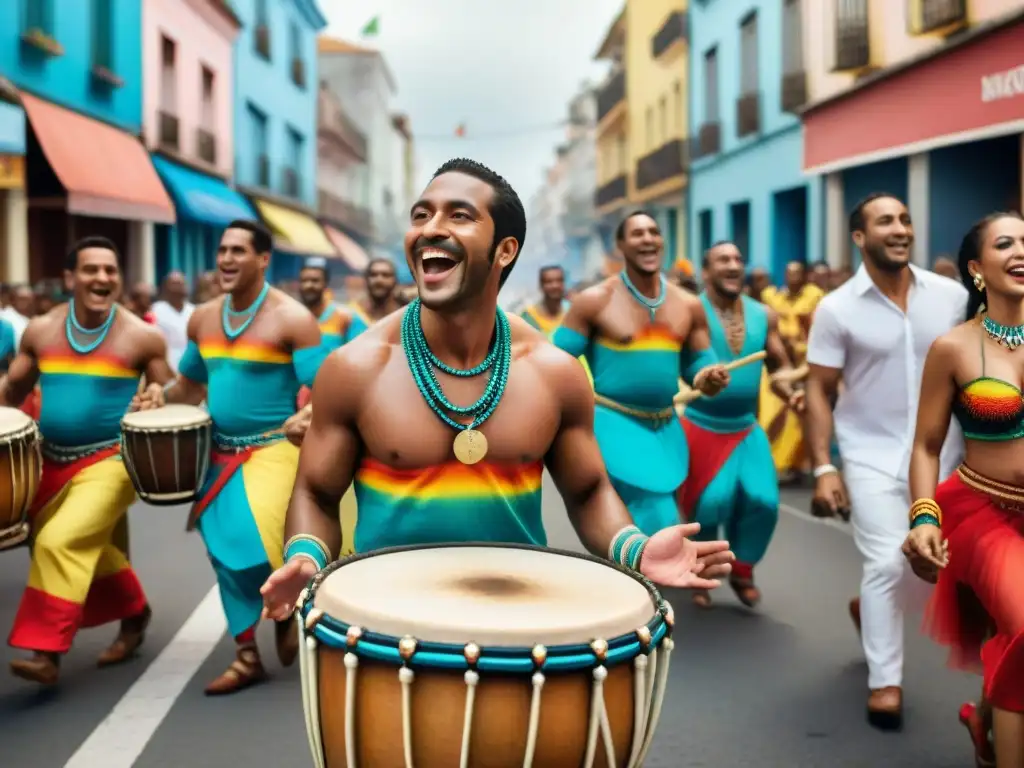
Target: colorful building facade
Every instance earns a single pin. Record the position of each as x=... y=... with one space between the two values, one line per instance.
x=188 y=113
x=75 y=68
x=746 y=180
x=946 y=75
x=275 y=124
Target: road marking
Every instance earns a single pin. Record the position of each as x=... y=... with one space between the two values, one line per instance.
x=829 y=522
x=118 y=741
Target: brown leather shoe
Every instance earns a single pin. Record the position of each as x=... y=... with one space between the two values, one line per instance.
x=245 y=671
x=41 y=668
x=885 y=708
x=855 y=613
x=286 y=633
x=128 y=641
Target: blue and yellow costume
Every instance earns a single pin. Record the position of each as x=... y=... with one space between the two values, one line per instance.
x=251 y=391
x=635 y=423
x=331 y=334
x=732 y=480
x=79 y=574
x=360 y=323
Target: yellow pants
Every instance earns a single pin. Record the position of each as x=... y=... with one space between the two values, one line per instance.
x=783 y=427
x=79 y=575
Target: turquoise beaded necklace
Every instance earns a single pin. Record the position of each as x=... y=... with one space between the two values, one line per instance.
x=98 y=335
x=1010 y=336
x=651 y=304
x=227 y=312
x=470 y=444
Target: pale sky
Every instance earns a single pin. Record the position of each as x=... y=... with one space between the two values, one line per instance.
x=498 y=66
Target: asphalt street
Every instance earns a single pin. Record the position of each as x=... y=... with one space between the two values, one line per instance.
x=780 y=686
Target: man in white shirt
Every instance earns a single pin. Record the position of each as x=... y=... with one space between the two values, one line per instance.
x=22 y=309
x=873 y=333
x=172 y=313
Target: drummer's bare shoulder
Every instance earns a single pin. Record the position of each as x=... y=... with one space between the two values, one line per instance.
x=202 y=315
x=299 y=328
x=588 y=304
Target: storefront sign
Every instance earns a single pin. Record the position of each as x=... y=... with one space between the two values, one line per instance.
x=12 y=171
x=1004 y=85
x=971 y=92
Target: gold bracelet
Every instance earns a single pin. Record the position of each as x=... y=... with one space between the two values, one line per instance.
x=925 y=507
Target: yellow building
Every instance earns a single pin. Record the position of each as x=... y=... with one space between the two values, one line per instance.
x=642 y=145
x=612 y=136
x=656 y=108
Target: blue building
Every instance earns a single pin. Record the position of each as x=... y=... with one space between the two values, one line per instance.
x=76 y=69
x=275 y=121
x=746 y=180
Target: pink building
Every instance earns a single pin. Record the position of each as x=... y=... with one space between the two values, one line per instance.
x=188 y=65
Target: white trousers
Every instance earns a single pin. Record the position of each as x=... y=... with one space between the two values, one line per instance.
x=880 y=505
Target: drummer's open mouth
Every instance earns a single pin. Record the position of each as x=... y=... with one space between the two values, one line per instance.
x=436 y=264
x=100 y=293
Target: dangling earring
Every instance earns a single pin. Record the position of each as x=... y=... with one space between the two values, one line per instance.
x=979 y=282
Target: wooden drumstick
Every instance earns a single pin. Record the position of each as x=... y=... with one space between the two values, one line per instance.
x=688 y=397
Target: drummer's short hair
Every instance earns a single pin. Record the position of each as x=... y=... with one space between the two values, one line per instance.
x=93 y=241
x=620 y=231
x=706 y=258
x=380 y=260
x=506 y=208
x=857 y=221
x=262 y=242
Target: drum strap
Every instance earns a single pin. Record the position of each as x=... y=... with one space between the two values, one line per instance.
x=63 y=454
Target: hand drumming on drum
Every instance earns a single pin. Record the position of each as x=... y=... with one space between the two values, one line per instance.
x=150 y=397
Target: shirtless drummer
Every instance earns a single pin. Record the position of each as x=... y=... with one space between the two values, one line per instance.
x=387 y=431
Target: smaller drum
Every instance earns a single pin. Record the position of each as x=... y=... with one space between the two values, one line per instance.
x=21 y=468
x=167 y=452
x=482 y=655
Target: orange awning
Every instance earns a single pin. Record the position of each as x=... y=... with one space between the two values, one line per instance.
x=351 y=251
x=106 y=172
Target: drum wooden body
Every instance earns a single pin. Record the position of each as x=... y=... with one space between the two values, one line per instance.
x=481 y=656
x=21 y=467
x=167 y=452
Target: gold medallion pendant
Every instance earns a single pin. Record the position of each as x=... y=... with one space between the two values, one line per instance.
x=470 y=446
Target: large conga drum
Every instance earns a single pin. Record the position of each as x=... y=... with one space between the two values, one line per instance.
x=481 y=656
x=21 y=467
x=167 y=452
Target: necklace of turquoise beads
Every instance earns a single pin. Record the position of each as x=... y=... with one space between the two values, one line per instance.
x=249 y=314
x=1010 y=336
x=470 y=444
x=651 y=304
x=98 y=334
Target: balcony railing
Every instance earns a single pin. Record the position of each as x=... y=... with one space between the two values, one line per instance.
x=342 y=211
x=709 y=139
x=207 y=145
x=263 y=171
x=262 y=41
x=853 y=44
x=167 y=136
x=748 y=114
x=299 y=72
x=674 y=28
x=666 y=162
x=613 y=92
x=334 y=124
x=290 y=182
x=929 y=15
x=794 y=91
x=610 y=192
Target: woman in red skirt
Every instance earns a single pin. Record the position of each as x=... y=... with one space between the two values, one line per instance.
x=971 y=527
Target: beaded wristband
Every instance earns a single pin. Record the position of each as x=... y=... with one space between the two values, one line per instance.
x=627 y=547
x=307 y=546
x=924 y=518
x=925 y=507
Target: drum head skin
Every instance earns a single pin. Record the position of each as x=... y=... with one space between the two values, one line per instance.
x=167 y=417
x=492 y=596
x=12 y=420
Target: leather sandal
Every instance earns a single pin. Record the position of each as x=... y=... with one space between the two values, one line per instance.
x=128 y=641
x=245 y=671
x=42 y=668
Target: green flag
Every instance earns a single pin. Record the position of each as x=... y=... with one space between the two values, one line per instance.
x=372 y=28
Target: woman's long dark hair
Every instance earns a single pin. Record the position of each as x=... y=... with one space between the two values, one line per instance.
x=970 y=250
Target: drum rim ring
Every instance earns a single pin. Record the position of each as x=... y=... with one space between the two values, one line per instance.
x=508 y=659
